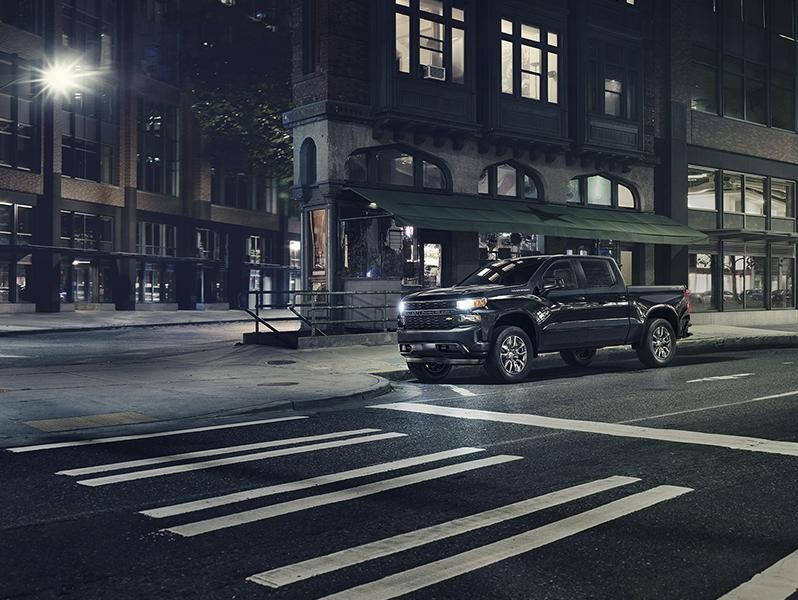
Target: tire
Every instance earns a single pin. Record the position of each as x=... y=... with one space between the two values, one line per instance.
x=658 y=344
x=510 y=358
x=578 y=358
x=431 y=372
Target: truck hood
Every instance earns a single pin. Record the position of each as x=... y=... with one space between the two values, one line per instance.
x=455 y=293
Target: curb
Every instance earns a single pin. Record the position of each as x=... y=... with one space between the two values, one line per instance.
x=111 y=327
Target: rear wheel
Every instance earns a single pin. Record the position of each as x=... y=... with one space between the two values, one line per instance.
x=658 y=345
x=578 y=358
x=429 y=372
x=511 y=355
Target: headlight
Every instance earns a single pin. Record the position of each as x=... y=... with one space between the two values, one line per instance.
x=402 y=307
x=472 y=303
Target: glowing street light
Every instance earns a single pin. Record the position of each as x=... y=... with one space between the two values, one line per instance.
x=62 y=79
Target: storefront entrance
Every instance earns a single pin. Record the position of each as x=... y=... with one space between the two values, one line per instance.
x=85 y=282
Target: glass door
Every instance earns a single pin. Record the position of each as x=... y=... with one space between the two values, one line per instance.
x=432 y=265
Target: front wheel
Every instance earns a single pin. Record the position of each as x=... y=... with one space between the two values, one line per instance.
x=578 y=358
x=658 y=345
x=510 y=358
x=429 y=372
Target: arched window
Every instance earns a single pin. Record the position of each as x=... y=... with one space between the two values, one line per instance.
x=509 y=181
x=307 y=162
x=397 y=166
x=601 y=190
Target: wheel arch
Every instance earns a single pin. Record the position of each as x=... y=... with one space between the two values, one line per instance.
x=666 y=312
x=522 y=320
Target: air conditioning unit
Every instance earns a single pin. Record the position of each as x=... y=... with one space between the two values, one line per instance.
x=433 y=72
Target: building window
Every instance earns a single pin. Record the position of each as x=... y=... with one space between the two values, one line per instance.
x=701 y=186
x=397 y=167
x=743 y=194
x=613 y=80
x=89 y=143
x=511 y=181
x=16 y=224
x=438 y=51
x=530 y=63
x=160 y=41
x=308 y=37
x=85 y=231
x=258 y=249
x=294 y=254
x=155 y=283
x=22 y=14
x=159 y=148
x=753 y=58
x=743 y=282
x=156 y=239
x=244 y=189
x=782 y=272
x=601 y=190
x=700 y=279
x=211 y=245
x=19 y=107
x=88 y=27
x=782 y=198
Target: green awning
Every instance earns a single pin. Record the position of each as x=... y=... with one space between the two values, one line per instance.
x=461 y=212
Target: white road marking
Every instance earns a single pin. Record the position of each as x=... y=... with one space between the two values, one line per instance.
x=413 y=539
x=713 y=407
x=284 y=508
x=12 y=356
x=293 y=486
x=145 y=436
x=144 y=462
x=424 y=576
x=721 y=378
x=789 y=362
x=232 y=460
x=459 y=390
x=613 y=429
x=774 y=583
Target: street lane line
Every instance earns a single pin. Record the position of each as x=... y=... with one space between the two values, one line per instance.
x=774 y=583
x=144 y=462
x=284 y=508
x=721 y=378
x=232 y=460
x=399 y=543
x=293 y=486
x=146 y=436
x=613 y=429
x=429 y=574
x=459 y=390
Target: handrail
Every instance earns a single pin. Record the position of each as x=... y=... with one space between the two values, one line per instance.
x=320 y=308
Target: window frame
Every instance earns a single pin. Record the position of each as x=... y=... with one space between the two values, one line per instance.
x=521 y=172
x=412 y=10
x=547 y=50
x=20 y=73
x=103 y=124
x=419 y=158
x=168 y=182
x=615 y=182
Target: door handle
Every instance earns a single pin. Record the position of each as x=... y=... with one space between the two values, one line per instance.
x=580 y=299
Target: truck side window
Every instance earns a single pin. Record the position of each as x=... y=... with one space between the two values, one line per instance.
x=598 y=273
x=562 y=270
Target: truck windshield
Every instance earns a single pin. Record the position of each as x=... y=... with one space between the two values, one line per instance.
x=505 y=272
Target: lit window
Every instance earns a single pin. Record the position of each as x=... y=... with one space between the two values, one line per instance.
x=529 y=62
x=507 y=180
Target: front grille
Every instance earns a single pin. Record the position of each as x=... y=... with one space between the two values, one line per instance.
x=430 y=314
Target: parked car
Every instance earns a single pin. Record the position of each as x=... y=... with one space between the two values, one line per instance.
x=506 y=313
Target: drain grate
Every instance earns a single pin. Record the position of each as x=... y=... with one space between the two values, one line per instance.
x=278 y=363
x=278 y=384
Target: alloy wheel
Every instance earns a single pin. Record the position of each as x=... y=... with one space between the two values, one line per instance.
x=513 y=355
x=661 y=342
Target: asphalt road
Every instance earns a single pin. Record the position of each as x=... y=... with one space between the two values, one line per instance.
x=616 y=482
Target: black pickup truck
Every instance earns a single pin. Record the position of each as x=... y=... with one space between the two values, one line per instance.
x=508 y=312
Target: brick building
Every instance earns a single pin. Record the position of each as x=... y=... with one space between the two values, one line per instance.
x=107 y=198
x=432 y=136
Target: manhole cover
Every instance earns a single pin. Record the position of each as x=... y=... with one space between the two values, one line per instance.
x=278 y=384
x=281 y=362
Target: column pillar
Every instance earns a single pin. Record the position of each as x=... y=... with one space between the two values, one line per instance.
x=125 y=284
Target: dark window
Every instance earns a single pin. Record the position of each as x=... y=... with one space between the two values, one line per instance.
x=308 y=36
x=430 y=39
x=88 y=232
x=598 y=273
x=160 y=40
x=307 y=162
x=156 y=239
x=24 y=14
x=89 y=27
x=159 y=148
x=530 y=61
x=18 y=110
x=564 y=270
x=395 y=166
x=613 y=80
x=89 y=144
x=506 y=179
x=505 y=272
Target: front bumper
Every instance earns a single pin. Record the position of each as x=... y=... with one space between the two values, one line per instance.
x=459 y=346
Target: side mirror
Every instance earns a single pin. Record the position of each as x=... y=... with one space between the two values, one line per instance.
x=553 y=283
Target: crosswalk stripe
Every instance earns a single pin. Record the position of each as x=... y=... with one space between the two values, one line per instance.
x=293 y=486
x=231 y=460
x=778 y=582
x=399 y=543
x=733 y=442
x=284 y=508
x=429 y=574
x=144 y=462
x=146 y=436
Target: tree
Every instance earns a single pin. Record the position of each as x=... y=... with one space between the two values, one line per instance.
x=236 y=55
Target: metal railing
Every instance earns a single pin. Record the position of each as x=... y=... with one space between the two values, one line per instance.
x=323 y=312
